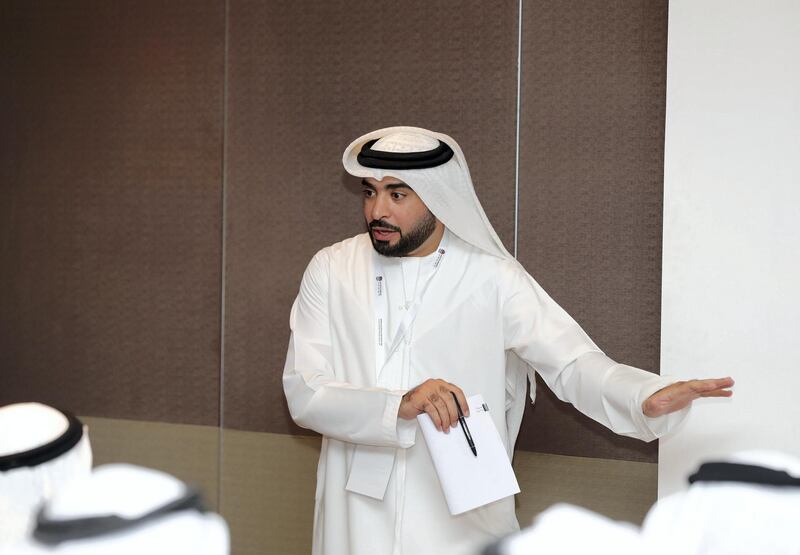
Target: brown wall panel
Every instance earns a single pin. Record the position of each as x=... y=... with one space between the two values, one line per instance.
x=591 y=179
x=303 y=83
x=110 y=199
x=110 y=215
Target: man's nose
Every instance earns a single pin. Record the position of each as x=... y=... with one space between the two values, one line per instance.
x=380 y=208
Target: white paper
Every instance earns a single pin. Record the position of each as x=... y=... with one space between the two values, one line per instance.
x=470 y=481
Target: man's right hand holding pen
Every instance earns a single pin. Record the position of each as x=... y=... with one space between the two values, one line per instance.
x=439 y=399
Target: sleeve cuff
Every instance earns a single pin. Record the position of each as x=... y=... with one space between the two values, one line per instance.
x=625 y=388
x=656 y=427
x=398 y=430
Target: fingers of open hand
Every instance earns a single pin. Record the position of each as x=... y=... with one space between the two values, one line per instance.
x=681 y=394
x=712 y=387
x=718 y=393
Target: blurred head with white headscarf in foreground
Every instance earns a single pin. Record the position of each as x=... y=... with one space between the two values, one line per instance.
x=122 y=509
x=746 y=504
x=42 y=449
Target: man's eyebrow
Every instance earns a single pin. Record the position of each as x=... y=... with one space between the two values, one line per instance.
x=391 y=186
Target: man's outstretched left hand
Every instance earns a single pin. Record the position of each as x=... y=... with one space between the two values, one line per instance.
x=680 y=394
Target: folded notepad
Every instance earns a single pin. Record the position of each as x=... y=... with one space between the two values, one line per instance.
x=468 y=481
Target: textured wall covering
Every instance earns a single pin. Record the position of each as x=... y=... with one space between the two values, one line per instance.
x=591 y=180
x=114 y=125
x=123 y=161
x=302 y=84
x=110 y=214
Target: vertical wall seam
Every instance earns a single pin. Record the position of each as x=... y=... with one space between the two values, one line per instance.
x=516 y=160
x=224 y=237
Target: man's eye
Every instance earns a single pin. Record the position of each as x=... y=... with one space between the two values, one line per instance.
x=397 y=196
x=368 y=192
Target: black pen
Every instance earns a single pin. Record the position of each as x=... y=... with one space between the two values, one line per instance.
x=464 y=426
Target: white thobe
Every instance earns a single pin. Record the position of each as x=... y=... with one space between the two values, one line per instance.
x=477 y=309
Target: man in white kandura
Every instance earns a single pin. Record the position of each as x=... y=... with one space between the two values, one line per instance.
x=428 y=302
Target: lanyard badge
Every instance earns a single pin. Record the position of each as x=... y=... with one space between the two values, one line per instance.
x=381 y=304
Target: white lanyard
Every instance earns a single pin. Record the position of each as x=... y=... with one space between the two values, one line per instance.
x=382 y=354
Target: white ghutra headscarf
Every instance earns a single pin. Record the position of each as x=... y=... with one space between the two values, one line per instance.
x=446 y=189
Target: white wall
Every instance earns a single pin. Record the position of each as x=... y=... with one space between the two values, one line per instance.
x=731 y=267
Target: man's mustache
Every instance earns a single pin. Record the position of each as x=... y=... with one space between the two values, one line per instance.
x=383 y=225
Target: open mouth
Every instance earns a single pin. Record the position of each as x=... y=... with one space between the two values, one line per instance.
x=380 y=234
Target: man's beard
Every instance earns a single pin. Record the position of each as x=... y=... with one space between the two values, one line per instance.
x=409 y=242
